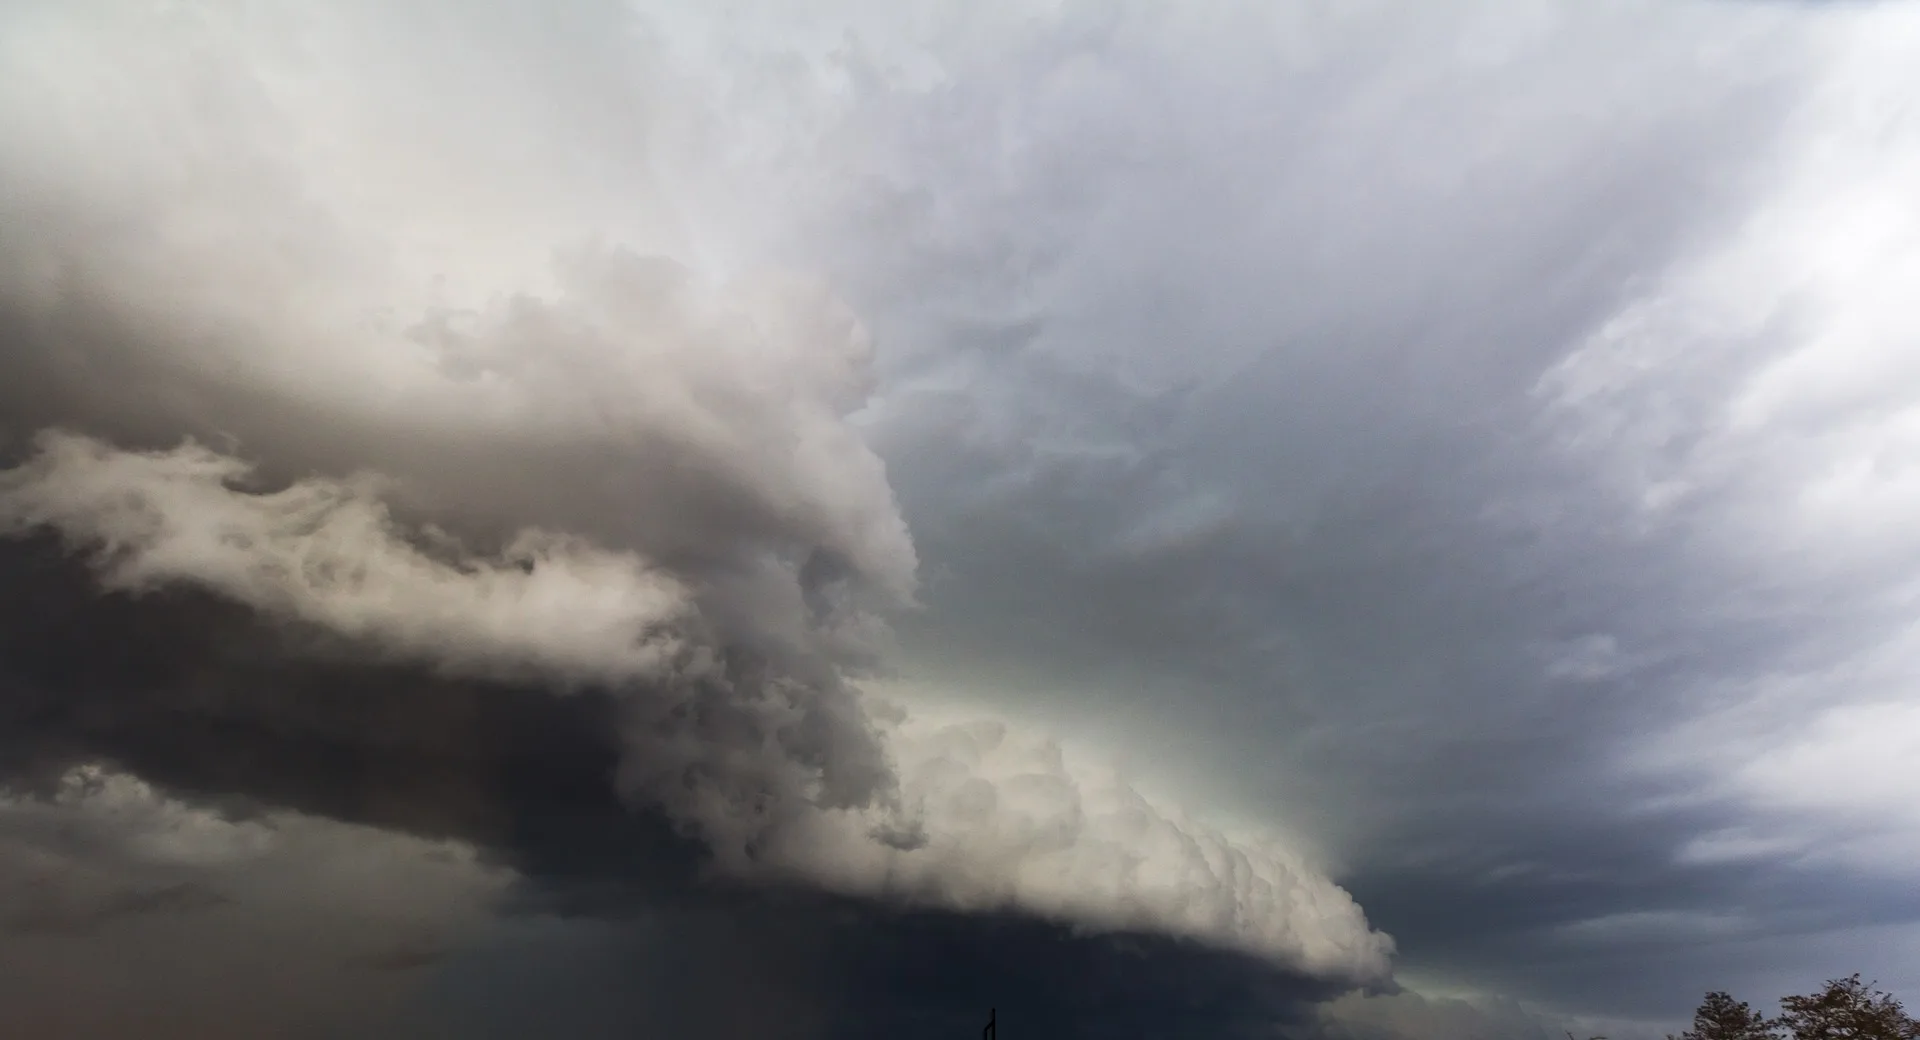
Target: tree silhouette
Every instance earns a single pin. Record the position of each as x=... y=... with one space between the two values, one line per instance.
x=1845 y=1009
x=1720 y=1017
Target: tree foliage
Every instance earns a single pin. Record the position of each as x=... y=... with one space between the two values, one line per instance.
x=1720 y=1017
x=1845 y=1009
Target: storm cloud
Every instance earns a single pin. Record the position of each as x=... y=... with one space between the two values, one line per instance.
x=1006 y=493
x=572 y=465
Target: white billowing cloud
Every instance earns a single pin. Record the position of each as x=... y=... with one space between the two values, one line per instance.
x=277 y=266
x=500 y=412
x=995 y=818
x=125 y=911
x=563 y=369
x=328 y=552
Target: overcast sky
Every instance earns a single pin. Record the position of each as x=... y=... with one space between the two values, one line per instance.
x=1352 y=521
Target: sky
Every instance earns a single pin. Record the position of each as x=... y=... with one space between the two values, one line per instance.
x=1359 y=521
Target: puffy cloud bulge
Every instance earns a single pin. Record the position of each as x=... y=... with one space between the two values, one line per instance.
x=382 y=321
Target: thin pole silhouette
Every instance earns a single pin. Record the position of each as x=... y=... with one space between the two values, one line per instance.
x=990 y=1033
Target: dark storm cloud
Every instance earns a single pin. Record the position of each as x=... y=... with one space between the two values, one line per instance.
x=176 y=859
x=1467 y=437
x=1477 y=445
x=226 y=710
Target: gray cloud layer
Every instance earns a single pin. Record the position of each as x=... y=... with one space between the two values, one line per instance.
x=1471 y=437
x=1450 y=431
x=108 y=886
